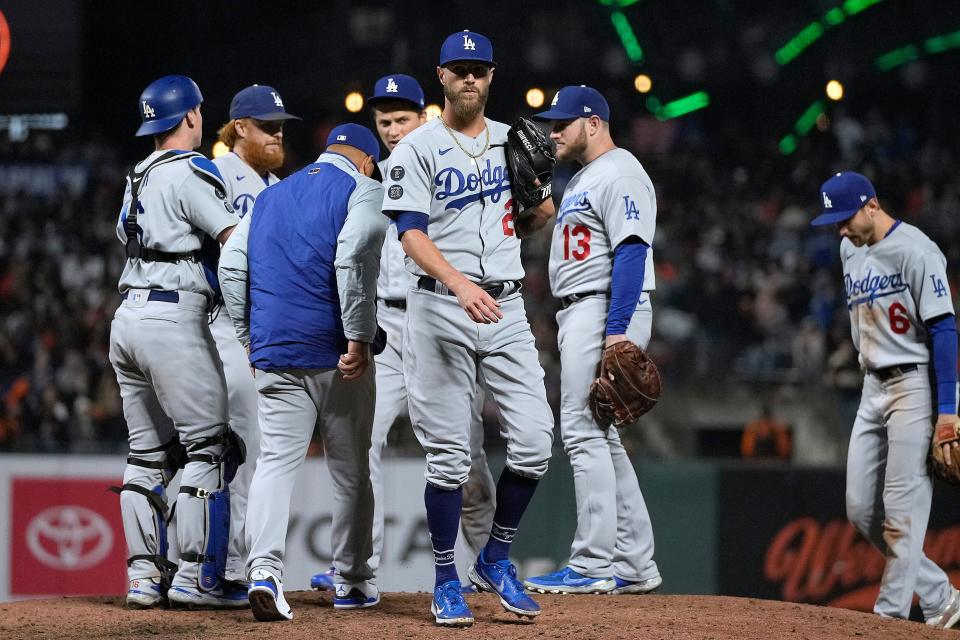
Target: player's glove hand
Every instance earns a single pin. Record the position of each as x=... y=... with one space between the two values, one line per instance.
x=627 y=385
x=945 y=449
x=531 y=157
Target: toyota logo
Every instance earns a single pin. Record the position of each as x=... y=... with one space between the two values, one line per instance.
x=69 y=537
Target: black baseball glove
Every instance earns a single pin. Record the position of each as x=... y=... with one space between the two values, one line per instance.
x=530 y=158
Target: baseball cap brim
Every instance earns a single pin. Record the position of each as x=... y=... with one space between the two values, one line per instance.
x=153 y=127
x=489 y=63
x=276 y=115
x=832 y=217
x=372 y=101
x=556 y=114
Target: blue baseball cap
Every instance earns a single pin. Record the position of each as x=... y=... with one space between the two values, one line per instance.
x=843 y=195
x=466 y=45
x=397 y=87
x=261 y=102
x=356 y=136
x=576 y=102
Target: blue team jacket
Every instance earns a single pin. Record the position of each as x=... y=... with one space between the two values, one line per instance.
x=295 y=318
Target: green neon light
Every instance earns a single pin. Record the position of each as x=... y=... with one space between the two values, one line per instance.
x=627 y=37
x=815 y=30
x=809 y=118
x=939 y=44
x=618 y=3
x=896 y=58
x=788 y=144
x=653 y=104
x=683 y=106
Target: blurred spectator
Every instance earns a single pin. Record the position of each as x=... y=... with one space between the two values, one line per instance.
x=765 y=438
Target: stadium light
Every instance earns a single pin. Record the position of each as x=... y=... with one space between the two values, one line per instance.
x=835 y=90
x=535 y=98
x=433 y=111
x=219 y=149
x=627 y=37
x=684 y=105
x=353 y=102
x=642 y=83
x=815 y=30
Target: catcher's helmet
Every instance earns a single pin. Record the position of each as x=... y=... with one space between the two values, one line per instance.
x=164 y=103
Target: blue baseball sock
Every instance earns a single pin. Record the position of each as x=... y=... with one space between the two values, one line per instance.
x=514 y=493
x=443 y=521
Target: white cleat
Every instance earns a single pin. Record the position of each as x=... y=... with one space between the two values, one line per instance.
x=266 y=597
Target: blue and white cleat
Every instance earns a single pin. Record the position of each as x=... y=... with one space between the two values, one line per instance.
x=448 y=606
x=501 y=578
x=356 y=595
x=226 y=596
x=628 y=586
x=323 y=581
x=145 y=593
x=567 y=580
x=266 y=597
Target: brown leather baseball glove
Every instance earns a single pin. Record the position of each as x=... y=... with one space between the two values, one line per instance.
x=946 y=432
x=627 y=385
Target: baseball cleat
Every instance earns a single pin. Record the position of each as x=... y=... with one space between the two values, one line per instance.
x=628 y=586
x=226 y=596
x=356 y=595
x=266 y=597
x=567 y=580
x=323 y=581
x=501 y=578
x=449 y=608
x=144 y=593
x=950 y=614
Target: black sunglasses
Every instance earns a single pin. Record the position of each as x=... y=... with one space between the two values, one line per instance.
x=463 y=70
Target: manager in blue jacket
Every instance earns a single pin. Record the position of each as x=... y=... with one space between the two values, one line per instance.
x=300 y=283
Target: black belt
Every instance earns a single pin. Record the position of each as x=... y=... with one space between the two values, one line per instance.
x=496 y=290
x=157 y=295
x=566 y=301
x=396 y=304
x=894 y=371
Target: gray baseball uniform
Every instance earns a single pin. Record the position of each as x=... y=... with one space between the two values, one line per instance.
x=892 y=288
x=393 y=284
x=607 y=201
x=243 y=185
x=470 y=211
x=292 y=402
x=171 y=379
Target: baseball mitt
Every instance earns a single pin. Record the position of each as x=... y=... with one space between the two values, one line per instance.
x=946 y=432
x=530 y=160
x=627 y=385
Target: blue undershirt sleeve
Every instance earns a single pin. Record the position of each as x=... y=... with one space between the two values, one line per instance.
x=407 y=220
x=629 y=261
x=943 y=336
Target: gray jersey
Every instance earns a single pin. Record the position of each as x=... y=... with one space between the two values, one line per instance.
x=468 y=201
x=892 y=288
x=177 y=207
x=607 y=201
x=243 y=183
x=394 y=280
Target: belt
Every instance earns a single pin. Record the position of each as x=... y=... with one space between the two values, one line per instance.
x=157 y=295
x=396 y=304
x=894 y=371
x=566 y=301
x=496 y=290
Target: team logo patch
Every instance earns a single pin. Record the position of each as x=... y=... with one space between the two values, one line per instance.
x=395 y=192
x=397 y=173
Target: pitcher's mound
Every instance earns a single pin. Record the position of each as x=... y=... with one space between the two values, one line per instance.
x=407 y=615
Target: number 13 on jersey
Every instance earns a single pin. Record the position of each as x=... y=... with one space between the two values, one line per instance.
x=576 y=242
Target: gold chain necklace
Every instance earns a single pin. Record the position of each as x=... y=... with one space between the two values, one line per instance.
x=473 y=158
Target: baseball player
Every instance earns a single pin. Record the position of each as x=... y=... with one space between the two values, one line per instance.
x=171 y=379
x=309 y=258
x=448 y=190
x=899 y=301
x=255 y=136
x=398 y=108
x=601 y=269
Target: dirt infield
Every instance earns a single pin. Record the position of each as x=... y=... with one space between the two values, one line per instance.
x=407 y=615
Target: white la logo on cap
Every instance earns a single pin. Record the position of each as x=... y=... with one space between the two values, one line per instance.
x=341 y=138
x=826 y=201
x=276 y=99
x=392 y=86
x=148 y=111
x=468 y=44
x=556 y=98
